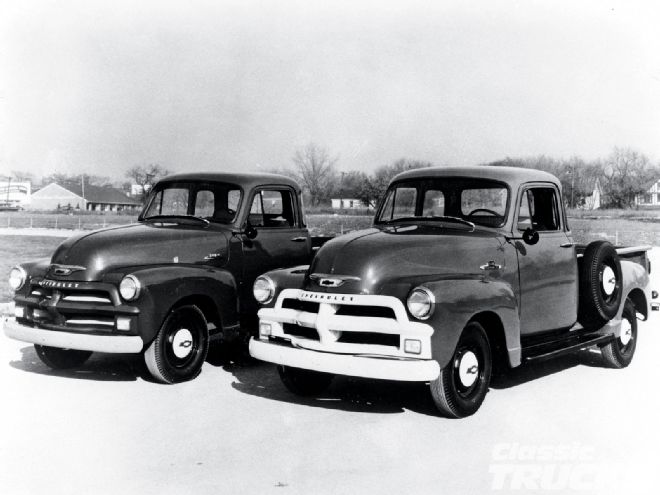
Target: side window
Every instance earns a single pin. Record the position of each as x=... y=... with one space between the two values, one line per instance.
x=272 y=208
x=524 y=218
x=542 y=210
x=204 y=204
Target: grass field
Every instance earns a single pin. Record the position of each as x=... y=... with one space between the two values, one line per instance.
x=18 y=248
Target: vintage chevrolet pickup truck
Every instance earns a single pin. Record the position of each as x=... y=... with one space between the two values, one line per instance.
x=167 y=285
x=464 y=269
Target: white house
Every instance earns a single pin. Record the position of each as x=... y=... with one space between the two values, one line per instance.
x=15 y=195
x=347 y=204
x=593 y=202
x=93 y=198
x=651 y=197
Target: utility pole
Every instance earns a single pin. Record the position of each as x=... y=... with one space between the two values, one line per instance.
x=82 y=182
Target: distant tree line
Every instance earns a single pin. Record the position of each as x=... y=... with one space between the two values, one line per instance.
x=316 y=172
x=622 y=175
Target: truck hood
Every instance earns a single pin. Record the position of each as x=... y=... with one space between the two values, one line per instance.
x=369 y=260
x=139 y=245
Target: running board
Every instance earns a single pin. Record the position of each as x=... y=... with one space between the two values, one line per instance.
x=541 y=352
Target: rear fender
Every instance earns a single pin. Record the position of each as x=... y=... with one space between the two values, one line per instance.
x=636 y=286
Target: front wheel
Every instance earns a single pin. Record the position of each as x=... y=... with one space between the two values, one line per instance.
x=619 y=352
x=61 y=359
x=179 y=350
x=304 y=382
x=463 y=383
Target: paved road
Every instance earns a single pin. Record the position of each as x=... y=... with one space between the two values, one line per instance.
x=568 y=425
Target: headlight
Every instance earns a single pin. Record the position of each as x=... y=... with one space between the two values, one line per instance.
x=263 y=289
x=17 y=277
x=129 y=287
x=421 y=303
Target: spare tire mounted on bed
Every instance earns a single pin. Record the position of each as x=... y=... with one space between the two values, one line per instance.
x=600 y=284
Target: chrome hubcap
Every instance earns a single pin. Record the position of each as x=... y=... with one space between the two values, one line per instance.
x=609 y=281
x=626 y=332
x=182 y=343
x=468 y=369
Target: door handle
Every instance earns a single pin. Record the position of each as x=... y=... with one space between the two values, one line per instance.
x=567 y=244
x=491 y=265
x=298 y=239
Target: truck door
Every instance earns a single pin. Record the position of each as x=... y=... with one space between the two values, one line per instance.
x=282 y=240
x=548 y=270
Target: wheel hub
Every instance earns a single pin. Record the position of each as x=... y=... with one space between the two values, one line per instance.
x=609 y=281
x=182 y=343
x=468 y=369
x=626 y=332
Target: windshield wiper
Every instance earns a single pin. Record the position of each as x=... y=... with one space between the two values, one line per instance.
x=162 y=218
x=442 y=218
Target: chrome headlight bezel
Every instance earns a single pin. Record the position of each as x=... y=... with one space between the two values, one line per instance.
x=19 y=275
x=421 y=303
x=263 y=289
x=130 y=288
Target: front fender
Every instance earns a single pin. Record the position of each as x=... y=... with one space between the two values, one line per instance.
x=459 y=301
x=164 y=286
x=286 y=278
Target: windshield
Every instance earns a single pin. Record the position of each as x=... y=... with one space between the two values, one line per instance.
x=212 y=201
x=479 y=201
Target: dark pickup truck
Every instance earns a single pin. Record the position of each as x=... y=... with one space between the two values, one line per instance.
x=464 y=268
x=167 y=285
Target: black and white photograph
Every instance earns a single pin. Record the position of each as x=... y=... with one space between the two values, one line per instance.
x=305 y=247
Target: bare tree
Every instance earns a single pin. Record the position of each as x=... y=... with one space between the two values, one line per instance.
x=627 y=174
x=146 y=176
x=384 y=174
x=315 y=170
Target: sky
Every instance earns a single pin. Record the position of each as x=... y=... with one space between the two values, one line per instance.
x=98 y=87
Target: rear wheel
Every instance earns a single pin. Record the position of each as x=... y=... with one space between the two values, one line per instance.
x=304 y=382
x=179 y=350
x=463 y=383
x=61 y=359
x=619 y=352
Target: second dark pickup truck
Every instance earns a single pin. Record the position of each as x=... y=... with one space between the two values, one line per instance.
x=465 y=270
x=167 y=285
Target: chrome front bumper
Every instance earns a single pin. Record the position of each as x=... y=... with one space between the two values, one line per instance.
x=413 y=370
x=119 y=344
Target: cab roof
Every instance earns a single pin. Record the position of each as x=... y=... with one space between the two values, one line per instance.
x=245 y=180
x=513 y=176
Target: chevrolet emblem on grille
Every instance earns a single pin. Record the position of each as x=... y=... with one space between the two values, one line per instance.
x=331 y=280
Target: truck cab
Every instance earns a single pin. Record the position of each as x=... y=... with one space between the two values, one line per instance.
x=168 y=284
x=463 y=268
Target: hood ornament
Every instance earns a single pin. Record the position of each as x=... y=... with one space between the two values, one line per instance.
x=65 y=270
x=328 y=280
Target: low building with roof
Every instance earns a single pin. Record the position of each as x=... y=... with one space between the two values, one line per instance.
x=651 y=196
x=69 y=196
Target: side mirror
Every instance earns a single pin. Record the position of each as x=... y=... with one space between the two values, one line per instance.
x=530 y=236
x=251 y=232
